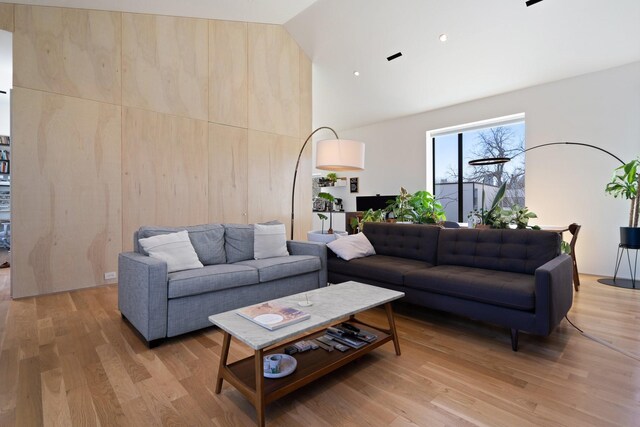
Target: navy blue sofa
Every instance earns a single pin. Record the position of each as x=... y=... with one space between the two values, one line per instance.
x=512 y=278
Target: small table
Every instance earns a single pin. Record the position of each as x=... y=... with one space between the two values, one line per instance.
x=331 y=305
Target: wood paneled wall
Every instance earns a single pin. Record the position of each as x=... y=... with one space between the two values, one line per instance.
x=121 y=120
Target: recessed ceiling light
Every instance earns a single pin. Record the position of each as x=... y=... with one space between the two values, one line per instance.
x=443 y=37
x=356 y=73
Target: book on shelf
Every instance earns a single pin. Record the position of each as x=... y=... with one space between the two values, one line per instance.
x=272 y=315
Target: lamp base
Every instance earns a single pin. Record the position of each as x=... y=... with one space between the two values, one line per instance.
x=619 y=283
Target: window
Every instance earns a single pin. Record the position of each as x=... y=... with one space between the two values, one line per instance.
x=460 y=187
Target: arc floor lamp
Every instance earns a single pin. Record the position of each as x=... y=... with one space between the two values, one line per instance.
x=499 y=160
x=331 y=154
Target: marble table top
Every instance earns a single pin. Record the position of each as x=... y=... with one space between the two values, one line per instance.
x=330 y=304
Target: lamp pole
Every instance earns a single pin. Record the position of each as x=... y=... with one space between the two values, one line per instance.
x=295 y=173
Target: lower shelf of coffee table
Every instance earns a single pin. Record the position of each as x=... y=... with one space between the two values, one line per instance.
x=312 y=365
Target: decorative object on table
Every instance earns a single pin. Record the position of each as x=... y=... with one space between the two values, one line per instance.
x=354 y=185
x=332 y=177
x=305 y=302
x=333 y=155
x=282 y=364
x=272 y=315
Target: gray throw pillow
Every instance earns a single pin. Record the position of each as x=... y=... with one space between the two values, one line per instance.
x=207 y=240
x=269 y=241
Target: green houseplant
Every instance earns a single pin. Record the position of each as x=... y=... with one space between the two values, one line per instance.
x=329 y=198
x=426 y=210
x=323 y=218
x=625 y=184
x=400 y=207
x=369 y=216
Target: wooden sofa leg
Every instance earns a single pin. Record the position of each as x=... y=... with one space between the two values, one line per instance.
x=514 y=339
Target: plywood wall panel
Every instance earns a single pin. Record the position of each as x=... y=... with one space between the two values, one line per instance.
x=66 y=209
x=305 y=96
x=6 y=17
x=274 y=80
x=272 y=160
x=165 y=171
x=228 y=169
x=165 y=61
x=68 y=51
x=228 y=73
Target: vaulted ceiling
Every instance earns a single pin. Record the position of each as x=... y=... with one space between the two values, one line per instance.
x=493 y=46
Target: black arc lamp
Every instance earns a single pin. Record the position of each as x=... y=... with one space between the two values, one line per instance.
x=333 y=155
x=500 y=160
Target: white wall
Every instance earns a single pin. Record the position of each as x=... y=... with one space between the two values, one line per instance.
x=564 y=184
x=6 y=72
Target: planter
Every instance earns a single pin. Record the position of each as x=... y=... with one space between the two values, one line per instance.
x=319 y=236
x=630 y=237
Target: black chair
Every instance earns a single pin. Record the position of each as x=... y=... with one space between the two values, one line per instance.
x=450 y=224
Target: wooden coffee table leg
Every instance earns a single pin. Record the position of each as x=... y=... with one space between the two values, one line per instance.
x=392 y=327
x=224 y=354
x=259 y=397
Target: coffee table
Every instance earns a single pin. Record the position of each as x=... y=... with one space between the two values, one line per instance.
x=331 y=305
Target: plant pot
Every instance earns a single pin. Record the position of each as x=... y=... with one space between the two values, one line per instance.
x=630 y=237
x=319 y=236
x=482 y=226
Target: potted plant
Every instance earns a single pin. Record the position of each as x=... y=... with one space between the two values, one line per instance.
x=330 y=199
x=323 y=218
x=625 y=184
x=426 y=210
x=400 y=207
x=332 y=177
x=492 y=217
x=369 y=216
x=519 y=216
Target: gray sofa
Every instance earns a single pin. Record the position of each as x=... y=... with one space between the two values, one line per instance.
x=513 y=278
x=160 y=304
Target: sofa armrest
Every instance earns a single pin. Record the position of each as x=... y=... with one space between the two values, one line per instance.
x=554 y=292
x=142 y=293
x=299 y=247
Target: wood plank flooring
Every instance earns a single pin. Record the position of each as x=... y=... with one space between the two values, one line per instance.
x=69 y=360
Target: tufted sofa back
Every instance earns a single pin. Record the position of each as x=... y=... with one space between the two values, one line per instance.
x=415 y=241
x=518 y=251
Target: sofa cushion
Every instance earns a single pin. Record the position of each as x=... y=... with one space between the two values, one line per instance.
x=238 y=242
x=502 y=288
x=518 y=251
x=381 y=268
x=352 y=246
x=412 y=241
x=207 y=240
x=269 y=241
x=210 y=278
x=280 y=267
x=175 y=249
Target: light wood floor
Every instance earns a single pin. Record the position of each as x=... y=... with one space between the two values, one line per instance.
x=69 y=359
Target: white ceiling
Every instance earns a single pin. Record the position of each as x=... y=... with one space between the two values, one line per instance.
x=265 y=11
x=494 y=46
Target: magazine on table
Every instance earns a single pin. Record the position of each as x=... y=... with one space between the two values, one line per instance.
x=272 y=315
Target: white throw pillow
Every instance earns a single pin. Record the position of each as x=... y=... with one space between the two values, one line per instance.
x=352 y=246
x=174 y=248
x=269 y=241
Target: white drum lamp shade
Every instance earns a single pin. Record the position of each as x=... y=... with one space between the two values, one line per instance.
x=340 y=155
